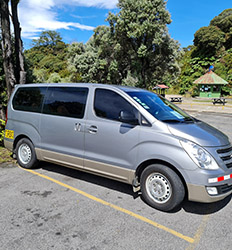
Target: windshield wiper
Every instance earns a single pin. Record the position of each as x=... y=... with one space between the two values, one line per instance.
x=186 y=119
x=171 y=120
x=189 y=119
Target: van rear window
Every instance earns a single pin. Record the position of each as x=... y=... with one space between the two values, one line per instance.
x=29 y=99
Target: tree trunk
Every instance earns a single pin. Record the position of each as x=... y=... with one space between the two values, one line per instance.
x=20 y=73
x=7 y=47
x=2 y=113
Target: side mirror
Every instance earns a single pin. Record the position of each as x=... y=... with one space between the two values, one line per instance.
x=128 y=117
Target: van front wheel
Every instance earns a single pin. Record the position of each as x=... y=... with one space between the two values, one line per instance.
x=25 y=154
x=161 y=187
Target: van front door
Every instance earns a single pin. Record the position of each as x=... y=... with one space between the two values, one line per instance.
x=110 y=145
x=62 y=125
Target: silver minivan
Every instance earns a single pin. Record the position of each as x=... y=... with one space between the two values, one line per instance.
x=126 y=134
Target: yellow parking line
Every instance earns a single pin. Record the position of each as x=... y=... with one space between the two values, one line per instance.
x=199 y=232
x=153 y=223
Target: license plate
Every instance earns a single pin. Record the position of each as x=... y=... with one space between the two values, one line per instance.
x=9 y=134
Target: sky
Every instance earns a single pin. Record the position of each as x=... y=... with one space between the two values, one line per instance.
x=75 y=20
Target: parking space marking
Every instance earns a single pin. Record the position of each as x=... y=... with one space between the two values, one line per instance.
x=199 y=232
x=137 y=216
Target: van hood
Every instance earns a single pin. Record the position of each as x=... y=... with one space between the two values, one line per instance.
x=200 y=133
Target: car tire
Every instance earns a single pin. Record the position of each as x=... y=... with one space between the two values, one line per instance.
x=161 y=187
x=25 y=154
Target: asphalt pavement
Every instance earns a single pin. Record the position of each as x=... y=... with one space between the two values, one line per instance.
x=53 y=207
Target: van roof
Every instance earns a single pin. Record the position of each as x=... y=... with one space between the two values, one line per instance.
x=124 y=88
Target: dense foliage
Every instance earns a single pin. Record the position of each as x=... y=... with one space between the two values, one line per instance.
x=134 y=49
x=2 y=127
x=91 y=62
x=212 y=46
x=141 y=36
x=47 y=58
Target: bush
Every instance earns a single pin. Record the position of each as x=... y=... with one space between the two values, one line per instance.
x=2 y=128
x=54 y=78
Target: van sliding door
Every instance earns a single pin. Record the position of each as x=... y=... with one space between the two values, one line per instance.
x=62 y=125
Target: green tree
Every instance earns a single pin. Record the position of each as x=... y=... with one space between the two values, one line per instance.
x=110 y=63
x=95 y=61
x=223 y=21
x=47 y=38
x=54 y=78
x=48 y=56
x=212 y=45
x=84 y=59
x=135 y=48
x=192 y=67
x=141 y=34
x=208 y=40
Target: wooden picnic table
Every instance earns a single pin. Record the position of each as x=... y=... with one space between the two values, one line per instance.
x=176 y=99
x=219 y=101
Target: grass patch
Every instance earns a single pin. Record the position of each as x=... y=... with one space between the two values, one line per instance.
x=5 y=156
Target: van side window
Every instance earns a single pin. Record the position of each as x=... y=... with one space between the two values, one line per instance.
x=66 y=101
x=29 y=99
x=108 y=104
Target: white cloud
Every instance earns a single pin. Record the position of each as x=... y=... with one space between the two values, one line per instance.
x=108 y=4
x=38 y=15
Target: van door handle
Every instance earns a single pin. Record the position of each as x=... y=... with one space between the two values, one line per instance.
x=92 y=129
x=77 y=127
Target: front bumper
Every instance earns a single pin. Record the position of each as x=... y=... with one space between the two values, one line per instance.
x=199 y=193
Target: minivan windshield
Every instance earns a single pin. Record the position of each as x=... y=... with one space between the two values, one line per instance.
x=160 y=107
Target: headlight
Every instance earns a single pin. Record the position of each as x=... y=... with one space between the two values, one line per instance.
x=199 y=155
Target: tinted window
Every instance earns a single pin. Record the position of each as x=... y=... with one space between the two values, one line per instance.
x=66 y=101
x=159 y=107
x=108 y=104
x=29 y=99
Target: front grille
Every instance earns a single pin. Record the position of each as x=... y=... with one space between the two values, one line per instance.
x=226 y=155
x=226 y=158
x=224 y=150
x=229 y=165
x=224 y=189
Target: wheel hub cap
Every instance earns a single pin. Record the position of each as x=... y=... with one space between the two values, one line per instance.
x=24 y=153
x=158 y=187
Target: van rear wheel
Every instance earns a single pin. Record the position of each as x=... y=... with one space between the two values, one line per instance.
x=25 y=153
x=161 y=187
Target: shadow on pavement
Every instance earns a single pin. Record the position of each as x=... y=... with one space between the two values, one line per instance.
x=91 y=178
x=205 y=208
x=187 y=206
